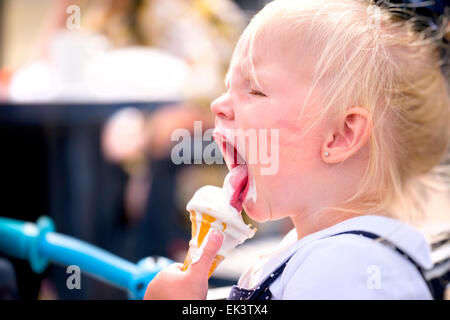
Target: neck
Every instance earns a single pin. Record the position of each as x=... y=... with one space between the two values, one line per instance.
x=306 y=224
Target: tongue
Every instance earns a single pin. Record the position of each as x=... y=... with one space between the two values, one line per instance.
x=238 y=181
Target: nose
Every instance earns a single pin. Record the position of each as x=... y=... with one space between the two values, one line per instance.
x=222 y=107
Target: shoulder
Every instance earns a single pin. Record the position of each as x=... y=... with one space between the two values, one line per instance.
x=351 y=267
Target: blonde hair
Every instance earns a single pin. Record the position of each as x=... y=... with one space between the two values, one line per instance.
x=365 y=55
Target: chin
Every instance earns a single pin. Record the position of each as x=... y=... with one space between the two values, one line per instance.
x=256 y=213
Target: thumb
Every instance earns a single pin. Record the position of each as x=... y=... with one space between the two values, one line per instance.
x=214 y=242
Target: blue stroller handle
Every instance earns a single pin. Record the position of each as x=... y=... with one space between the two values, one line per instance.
x=40 y=245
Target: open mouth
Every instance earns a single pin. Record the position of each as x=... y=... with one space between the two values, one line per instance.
x=238 y=171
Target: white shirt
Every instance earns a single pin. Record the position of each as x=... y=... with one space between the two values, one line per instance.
x=347 y=266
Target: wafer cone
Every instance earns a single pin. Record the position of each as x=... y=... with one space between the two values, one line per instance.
x=201 y=225
x=192 y=252
x=209 y=209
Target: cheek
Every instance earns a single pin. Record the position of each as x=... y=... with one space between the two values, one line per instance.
x=296 y=149
x=280 y=193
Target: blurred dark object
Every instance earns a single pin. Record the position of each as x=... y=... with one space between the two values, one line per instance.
x=8 y=286
x=159 y=225
x=251 y=5
x=23 y=188
x=439 y=275
x=52 y=164
x=430 y=16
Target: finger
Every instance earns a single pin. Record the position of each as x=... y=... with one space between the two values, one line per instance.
x=214 y=242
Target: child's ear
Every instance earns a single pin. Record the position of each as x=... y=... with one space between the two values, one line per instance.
x=349 y=136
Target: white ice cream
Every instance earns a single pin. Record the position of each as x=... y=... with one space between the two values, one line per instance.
x=215 y=202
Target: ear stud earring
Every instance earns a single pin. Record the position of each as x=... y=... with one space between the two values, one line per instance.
x=326 y=154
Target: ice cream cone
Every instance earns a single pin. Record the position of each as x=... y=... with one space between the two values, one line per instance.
x=201 y=224
x=193 y=252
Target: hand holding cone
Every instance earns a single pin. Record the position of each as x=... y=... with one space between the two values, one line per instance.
x=201 y=225
x=207 y=215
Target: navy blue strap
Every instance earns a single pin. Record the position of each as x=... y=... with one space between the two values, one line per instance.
x=262 y=291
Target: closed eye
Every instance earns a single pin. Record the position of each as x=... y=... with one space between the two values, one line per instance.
x=257 y=93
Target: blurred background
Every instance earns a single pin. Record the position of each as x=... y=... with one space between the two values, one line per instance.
x=90 y=93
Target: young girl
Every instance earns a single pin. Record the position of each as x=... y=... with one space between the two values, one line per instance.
x=362 y=109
